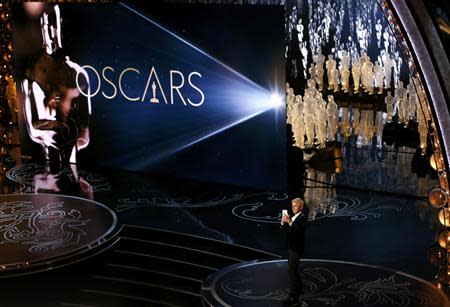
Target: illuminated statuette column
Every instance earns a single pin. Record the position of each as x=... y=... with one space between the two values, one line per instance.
x=345 y=60
x=379 y=125
x=400 y=102
x=378 y=70
x=386 y=39
x=332 y=112
x=321 y=120
x=289 y=101
x=422 y=118
x=298 y=125
x=330 y=65
x=378 y=29
x=367 y=128
x=367 y=75
x=309 y=118
x=412 y=99
x=397 y=64
x=300 y=29
x=387 y=67
x=389 y=101
x=345 y=79
x=312 y=72
x=334 y=82
x=319 y=75
x=311 y=90
x=356 y=118
x=345 y=125
x=356 y=74
x=319 y=60
x=304 y=52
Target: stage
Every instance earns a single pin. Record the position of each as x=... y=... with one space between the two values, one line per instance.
x=174 y=237
x=146 y=159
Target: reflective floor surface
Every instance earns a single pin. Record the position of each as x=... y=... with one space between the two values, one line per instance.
x=325 y=283
x=351 y=229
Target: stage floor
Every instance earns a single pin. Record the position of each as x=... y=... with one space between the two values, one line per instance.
x=325 y=283
x=39 y=230
x=364 y=225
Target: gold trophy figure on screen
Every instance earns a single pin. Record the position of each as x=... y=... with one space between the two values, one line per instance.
x=154 y=99
x=56 y=114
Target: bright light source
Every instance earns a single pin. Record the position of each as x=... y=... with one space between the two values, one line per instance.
x=276 y=100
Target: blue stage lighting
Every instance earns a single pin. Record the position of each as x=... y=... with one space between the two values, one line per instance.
x=230 y=97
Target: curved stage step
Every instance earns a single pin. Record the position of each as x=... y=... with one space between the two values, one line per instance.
x=163 y=266
x=145 y=267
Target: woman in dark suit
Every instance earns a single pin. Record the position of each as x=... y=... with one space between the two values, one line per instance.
x=295 y=226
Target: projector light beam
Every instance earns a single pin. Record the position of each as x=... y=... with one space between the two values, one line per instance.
x=193 y=46
x=229 y=96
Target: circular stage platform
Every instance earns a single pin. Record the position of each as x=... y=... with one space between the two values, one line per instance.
x=40 y=230
x=325 y=283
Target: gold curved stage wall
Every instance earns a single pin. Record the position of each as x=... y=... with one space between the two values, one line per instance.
x=434 y=108
x=431 y=103
x=7 y=84
x=435 y=127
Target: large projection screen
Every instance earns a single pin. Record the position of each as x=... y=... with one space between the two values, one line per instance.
x=186 y=90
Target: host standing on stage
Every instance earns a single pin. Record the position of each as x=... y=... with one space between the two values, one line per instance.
x=296 y=238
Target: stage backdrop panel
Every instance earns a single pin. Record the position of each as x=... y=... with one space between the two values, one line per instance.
x=193 y=91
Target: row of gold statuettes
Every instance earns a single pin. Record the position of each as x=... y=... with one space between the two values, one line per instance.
x=315 y=121
x=365 y=74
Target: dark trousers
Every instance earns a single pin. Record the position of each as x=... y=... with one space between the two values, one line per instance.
x=295 y=280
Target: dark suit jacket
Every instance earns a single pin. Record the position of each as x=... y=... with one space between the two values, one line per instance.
x=296 y=233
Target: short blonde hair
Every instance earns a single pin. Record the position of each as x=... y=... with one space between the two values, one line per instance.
x=299 y=200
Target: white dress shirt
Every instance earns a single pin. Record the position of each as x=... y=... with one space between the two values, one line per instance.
x=295 y=216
